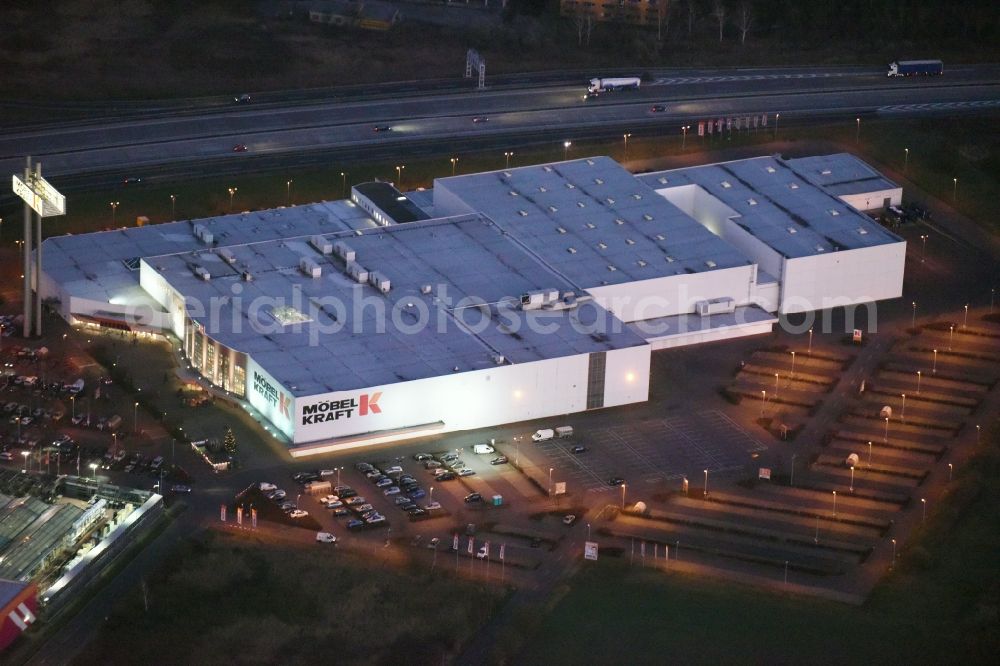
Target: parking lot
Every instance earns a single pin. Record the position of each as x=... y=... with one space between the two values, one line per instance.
x=651 y=451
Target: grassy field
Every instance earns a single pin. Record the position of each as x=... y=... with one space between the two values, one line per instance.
x=232 y=599
x=939 y=607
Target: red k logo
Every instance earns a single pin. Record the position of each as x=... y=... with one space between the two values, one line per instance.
x=283 y=403
x=369 y=403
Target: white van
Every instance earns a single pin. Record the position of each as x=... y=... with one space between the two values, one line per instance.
x=543 y=435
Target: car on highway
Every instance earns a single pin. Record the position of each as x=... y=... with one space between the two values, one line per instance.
x=578 y=449
x=240 y=148
x=325 y=537
x=480 y=119
x=131 y=180
x=472 y=498
x=243 y=99
x=382 y=128
x=658 y=108
x=180 y=488
x=499 y=460
x=616 y=481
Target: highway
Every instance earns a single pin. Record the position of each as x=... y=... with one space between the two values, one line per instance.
x=200 y=135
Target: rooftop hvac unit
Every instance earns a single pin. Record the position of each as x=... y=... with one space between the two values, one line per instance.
x=202 y=273
x=499 y=359
x=358 y=272
x=535 y=299
x=426 y=289
x=723 y=305
x=322 y=245
x=227 y=255
x=202 y=232
x=310 y=267
x=247 y=276
x=344 y=251
x=379 y=281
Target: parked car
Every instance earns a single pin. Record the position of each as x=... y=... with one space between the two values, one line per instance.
x=431 y=464
x=421 y=457
x=578 y=449
x=363 y=467
x=391 y=490
x=465 y=471
x=355 y=500
x=483 y=552
x=328 y=499
x=499 y=460
x=298 y=513
x=433 y=506
x=341 y=511
x=383 y=482
x=417 y=493
x=355 y=524
x=325 y=537
x=471 y=498
x=348 y=493
x=180 y=488
x=569 y=519
x=446 y=476
x=616 y=481
x=267 y=487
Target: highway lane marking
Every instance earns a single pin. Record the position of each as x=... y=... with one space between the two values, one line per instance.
x=932 y=106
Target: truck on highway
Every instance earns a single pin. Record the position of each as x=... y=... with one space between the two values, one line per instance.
x=916 y=68
x=598 y=86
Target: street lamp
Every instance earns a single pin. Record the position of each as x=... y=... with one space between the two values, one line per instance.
x=454 y=161
x=902 y=411
x=934 y=369
x=626 y=136
x=923 y=510
x=343 y=185
x=685 y=129
x=114 y=212
x=706 y=482
x=918 y=382
x=810 y=342
x=507 y=155
x=232 y=193
x=965 y=323
x=173 y=206
x=852 y=478
x=906 y=159
x=399 y=176
x=793 y=365
x=624 y=486
x=430 y=496
x=25 y=454
x=913 y=317
x=135 y=418
x=857 y=136
x=566 y=145
x=834 y=504
x=288 y=192
x=93 y=471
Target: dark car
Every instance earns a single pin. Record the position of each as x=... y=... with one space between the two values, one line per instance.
x=616 y=481
x=472 y=498
x=382 y=128
x=348 y=493
x=355 y=524
x=240 y=148
x=658 y=108
x=499 y=460
x=420 y=457
x=417 y=493
x=306 y=477
x=243 y=99
x=446 y=476
x=578 y=449
x=480 y=119
x=363 y=467
x=131 y=180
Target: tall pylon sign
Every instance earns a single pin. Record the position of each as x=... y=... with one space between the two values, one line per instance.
x=40 y=200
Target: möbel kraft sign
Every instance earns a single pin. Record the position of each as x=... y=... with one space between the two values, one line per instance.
x=334 y=410
x=271 y=394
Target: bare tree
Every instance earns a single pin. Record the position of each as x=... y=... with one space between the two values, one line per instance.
x=719 y=14
x=580 y=21
x=663 y=11
x=692 y=10
x=744 y=20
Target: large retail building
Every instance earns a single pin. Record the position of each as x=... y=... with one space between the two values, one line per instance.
x=491 y=298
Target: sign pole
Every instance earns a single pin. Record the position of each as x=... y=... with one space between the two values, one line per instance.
x=27 y=254
x=37 y=272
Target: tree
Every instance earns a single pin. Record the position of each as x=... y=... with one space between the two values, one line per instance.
x=744 y=21
x=229 y=442
x=663 y=9
x=719 y=14
x=692 y=10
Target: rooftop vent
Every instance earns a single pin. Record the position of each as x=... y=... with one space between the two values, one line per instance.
x=792 y=230
x=379 y=281
x=629 y=241
x=619 y=221
x=201 y=272
x=647 y=217
x=793 y=186
x=611 y=202
x=560 y=230
x=321 y=244
x=553 y=209
x=571 y=250
x=611 y=268
x=542 y=189
x=591 y=225
x=820 y=248
x=660 y=237
x=752 y=201
x=580 y=204
x=522 y=213
x=506 y=174
x=590 y=162
x=547 y=168
x=513 y=193
x=570 y=186
x=637 y=196
x=726 y=184
x=663 y=180
x=310 y=267
x=770 y=169
x=598 y=181
x=247 y=276
x=642 y=264
x=602 y=245
x=834 y=212
x=227 y=255
x=425 y=289
x=357 y=271
x=202 y=233
x=670 y=259
x=862 y=231
x=710 y=263
x=825 y=172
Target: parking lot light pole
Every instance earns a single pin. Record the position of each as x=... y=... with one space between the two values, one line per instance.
x=588 y=531
x=934 y=370
x=173 y=207
x=566 y=145
x=793 y=365
x=763 y=401
x=835 y=504
x=706 y=482
x=885 y=438
x=923 y=247
x=913 y=317
x=338 y=474
x=72 y=401
x=430 y=496
x=343 y=185
x=979 y=431
x=93 y=471
x=923 y=509
x=810 y=342
x=951 y=468
x=902 y=411
x=906 y=159
x=951 y=336
x=852 y=478
x=965 y=323
x=791 y=480
x=776 y=386
x=869 y=455
x=918 y=382
x=135 y=418
x=550 y=481
x=893 y=563
x=25 y=454
x=507 y=155
x=624 y=486
x=454 y=161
